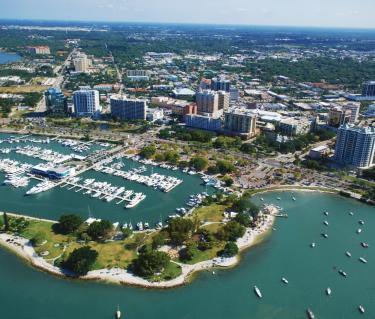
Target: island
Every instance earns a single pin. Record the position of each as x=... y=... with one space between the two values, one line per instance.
x=209 y=236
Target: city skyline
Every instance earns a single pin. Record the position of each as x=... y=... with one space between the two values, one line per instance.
x=336 y=14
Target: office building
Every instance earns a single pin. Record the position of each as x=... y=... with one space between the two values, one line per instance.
x=293 y=127
x=220 y=84
x=240 y=121
x=203 y=122
x=234 y=94
x=138 y=75
x=154 y=114
x=368 y=89
x=342 y=114
x=224 y=100
x=355 y=146
x=56 y=102
x=124 y=108
x=86 y=103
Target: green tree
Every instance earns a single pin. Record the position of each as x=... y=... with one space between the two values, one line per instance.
x=100 y=230
x=69 y=223
x=228 y=180
x=230 y=249
x=148 y=151
x=199 y=163
x=6 y=222
x=189 y=251
x=81 y=260
x=243 y=219
x=231 y=231
x=179 y=230
x=158 y=240
x=150 y=263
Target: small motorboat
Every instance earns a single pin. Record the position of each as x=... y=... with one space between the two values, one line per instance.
x=294 y=199
x=284 y=280
x=310 y=314
x=351 y=213
x=325 y=223
x=278 y=198
x=312 y=245
x=342 y=273
x=258 y=292
x=361 y=222
x=365 y=245
x=359 y=230
x=118 y=313
x=328 y=291
x=361 y=259
x=325 y=235
x=361 y=309
x=348 y=254
x=326 y=213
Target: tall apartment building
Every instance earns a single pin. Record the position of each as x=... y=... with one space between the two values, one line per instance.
x=240 y=121
x=355 y=146
x=124 y=108
x=368 y=89
x=39 y=50
x=224 y=100
x=86 y=103
x=203 y=122
x=220 y=84
x=340 y=115
x=56 y=102
x=81 y=63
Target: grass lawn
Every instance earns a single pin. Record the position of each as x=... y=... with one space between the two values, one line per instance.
x=171 y=271
x=207 y=254
x=212 y=213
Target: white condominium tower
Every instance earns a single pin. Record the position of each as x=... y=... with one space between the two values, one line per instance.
x=355 y=146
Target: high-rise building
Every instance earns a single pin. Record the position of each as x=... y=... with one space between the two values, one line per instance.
x=81 y=63
x=220 y=84
x=224 y=100
x=208 y=102
x=56 y=102
x=355 y=146
x=240 y=121
x=39 y=50
x=368 y=89
x=340 y=115
x=124 y=108
x=203 y=122
x=86 y=103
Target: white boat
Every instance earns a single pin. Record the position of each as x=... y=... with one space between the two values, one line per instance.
x=262 y=199
x=328 y=291
x=361 y=222
x=294 y=199
x=284 y=280
x=361 y=259
x=310 y=314
x=325 y=223
x=361 y=309
x=257 y=292
x=359 y=230
x=312 y=245
x=348 y=254
x=325 y=235
x=278 y=198
x=342 y=273
x=365 y=245
x=326 y=213
x=351 y=213
x=118 y=313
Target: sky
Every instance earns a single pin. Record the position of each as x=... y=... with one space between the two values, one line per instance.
x=314 y=13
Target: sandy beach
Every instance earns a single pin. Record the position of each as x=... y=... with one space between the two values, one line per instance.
x=24 y=249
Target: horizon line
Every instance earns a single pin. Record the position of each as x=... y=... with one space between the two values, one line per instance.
x=353 y=28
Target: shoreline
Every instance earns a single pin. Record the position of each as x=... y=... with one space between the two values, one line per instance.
x=24 y=250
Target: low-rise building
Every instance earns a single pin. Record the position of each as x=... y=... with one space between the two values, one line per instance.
x=154 y=114
x=240 y=121
x=292 y=126
x=203 y=122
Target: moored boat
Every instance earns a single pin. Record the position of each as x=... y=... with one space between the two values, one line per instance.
x=258 y=292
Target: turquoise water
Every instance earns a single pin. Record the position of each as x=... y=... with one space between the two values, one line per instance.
x=286 y=252
x=9 y=57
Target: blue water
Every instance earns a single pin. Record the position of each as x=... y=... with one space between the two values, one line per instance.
x=9 y=58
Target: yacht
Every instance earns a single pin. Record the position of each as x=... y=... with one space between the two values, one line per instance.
x=284 y=280
x=342 y=273
x=348 y=254
x=364 y=245
x=41 y=187
x=257 y=292
x=310 y=314
x=328 y=291
x=361 y=309
x=361 y=259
